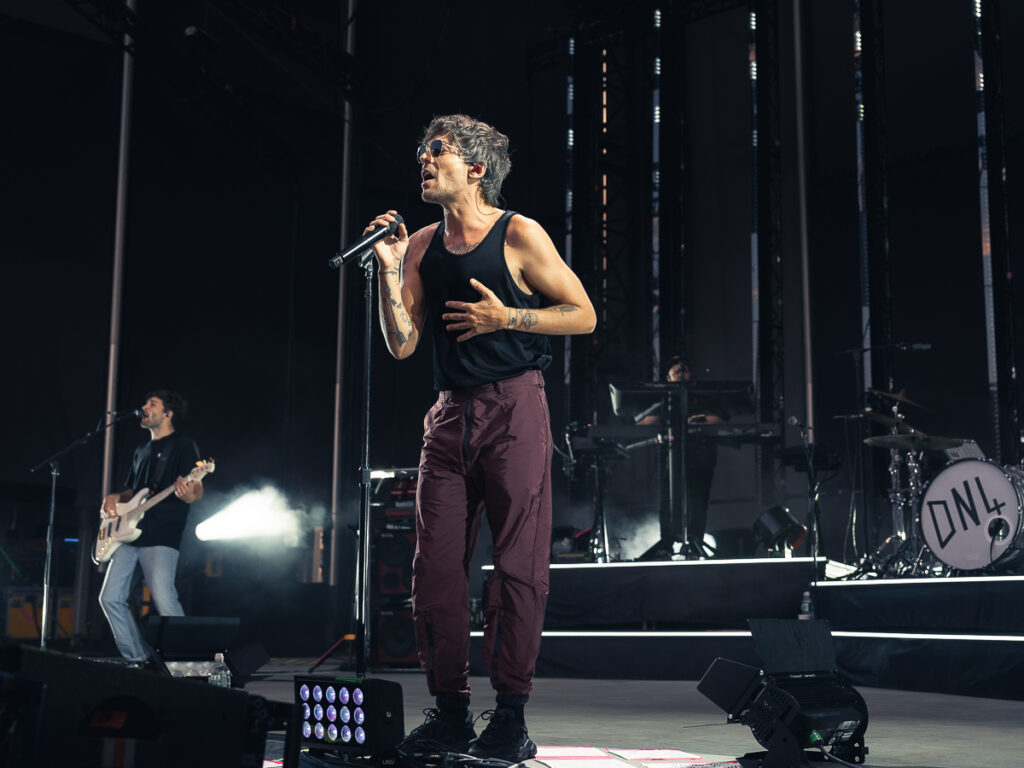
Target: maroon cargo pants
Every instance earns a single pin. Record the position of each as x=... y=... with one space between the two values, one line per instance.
x=487 y=449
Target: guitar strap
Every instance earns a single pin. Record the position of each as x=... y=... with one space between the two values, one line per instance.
x=160 y=470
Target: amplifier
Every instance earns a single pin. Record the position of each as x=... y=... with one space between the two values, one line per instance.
x=25 y=612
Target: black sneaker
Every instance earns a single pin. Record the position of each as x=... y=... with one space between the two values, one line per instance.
x=504 y=738
x=442 y=729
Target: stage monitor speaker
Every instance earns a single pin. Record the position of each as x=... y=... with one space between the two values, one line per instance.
x=393 y=640
x=61 y=710
x=191 y=637
x=245 y=661
x=196 y=639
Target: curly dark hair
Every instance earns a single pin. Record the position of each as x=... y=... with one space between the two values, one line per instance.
x=477 y=142
x=173 y=402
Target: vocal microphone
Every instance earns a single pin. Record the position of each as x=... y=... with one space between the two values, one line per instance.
x=913 y=347
x=364 y=243
x=656 y=440
x=793 y=421
x=646 y=412
x=122 y=415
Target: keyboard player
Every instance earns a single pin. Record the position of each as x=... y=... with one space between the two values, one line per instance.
x=701 y=453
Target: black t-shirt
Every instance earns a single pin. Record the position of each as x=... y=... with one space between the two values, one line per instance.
x=488 y=357
x=701 y=450
x=156 y=465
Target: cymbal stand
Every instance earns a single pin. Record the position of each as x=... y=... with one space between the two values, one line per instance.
x=599 y=548
x=897 y=563
x=896 y=491
x=924 y=562
x=606 y=451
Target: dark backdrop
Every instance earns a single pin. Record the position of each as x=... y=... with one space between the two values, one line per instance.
x=230 y=223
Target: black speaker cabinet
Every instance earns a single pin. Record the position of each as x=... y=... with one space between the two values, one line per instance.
x=393 y=640
x=393 y=553
x=63 y=710
x=191 y=637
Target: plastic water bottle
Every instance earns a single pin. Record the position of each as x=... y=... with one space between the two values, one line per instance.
x=220 y=673
x=806 y=606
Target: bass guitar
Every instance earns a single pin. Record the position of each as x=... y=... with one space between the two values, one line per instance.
x=124 y=529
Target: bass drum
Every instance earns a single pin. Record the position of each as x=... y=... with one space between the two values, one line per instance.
x=971 y=514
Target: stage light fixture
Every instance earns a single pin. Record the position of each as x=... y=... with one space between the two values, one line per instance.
x=352 y=715
x=776 y=528
x=798 y=702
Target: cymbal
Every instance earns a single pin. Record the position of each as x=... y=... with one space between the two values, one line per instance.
x=898 y=397
x=915 y=441
x=889 y=421
x=880 y=418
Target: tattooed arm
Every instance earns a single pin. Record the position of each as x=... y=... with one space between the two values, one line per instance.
x=401 y=291
x=537 y=267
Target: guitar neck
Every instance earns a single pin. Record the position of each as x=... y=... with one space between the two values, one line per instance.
x=152 y=500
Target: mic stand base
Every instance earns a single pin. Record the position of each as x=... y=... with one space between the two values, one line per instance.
x=665 y=549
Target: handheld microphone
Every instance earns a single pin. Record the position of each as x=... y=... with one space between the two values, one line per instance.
x=364 y=243
x=793 y=421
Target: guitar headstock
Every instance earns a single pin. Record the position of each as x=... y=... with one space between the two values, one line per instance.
x=202 y=469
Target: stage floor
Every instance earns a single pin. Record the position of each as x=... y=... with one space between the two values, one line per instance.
x=926 y=730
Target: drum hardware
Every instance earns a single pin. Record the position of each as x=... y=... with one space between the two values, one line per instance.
x=899 y=397
x=911 y=557
x=596 y=453
x=906 y=445
x=879 y=418
x=888 y=421
x=913 y=442
x=971 y=515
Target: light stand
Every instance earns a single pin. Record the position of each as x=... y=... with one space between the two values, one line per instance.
x=362 y=595
x=54 y=463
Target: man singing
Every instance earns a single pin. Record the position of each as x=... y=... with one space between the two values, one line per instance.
x=166 y=459
x=492 y=287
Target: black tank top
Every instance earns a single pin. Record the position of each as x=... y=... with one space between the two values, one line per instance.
x=488 y=357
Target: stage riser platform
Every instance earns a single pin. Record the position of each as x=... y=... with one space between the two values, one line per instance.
x=698 y=594
x=945 y=635
x=976 y=605
x=988 y=668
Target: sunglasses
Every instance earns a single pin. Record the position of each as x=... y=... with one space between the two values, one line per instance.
x=436 y=148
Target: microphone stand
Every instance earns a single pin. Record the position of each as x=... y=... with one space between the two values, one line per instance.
x=362 y=593
x=813 y=501
x=54 y=463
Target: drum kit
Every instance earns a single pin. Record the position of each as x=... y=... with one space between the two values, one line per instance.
x=967 y=518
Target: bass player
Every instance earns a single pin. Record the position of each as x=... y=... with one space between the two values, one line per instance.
x=165 y=459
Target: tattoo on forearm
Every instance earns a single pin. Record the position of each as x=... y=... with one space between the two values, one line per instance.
x=397 y=324
x=565 y=308
x=521 y=319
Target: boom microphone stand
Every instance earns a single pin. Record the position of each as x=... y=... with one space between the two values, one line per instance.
x=362 y=601
x=54 y=462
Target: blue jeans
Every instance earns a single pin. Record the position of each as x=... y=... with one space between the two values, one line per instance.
x=158 y=567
